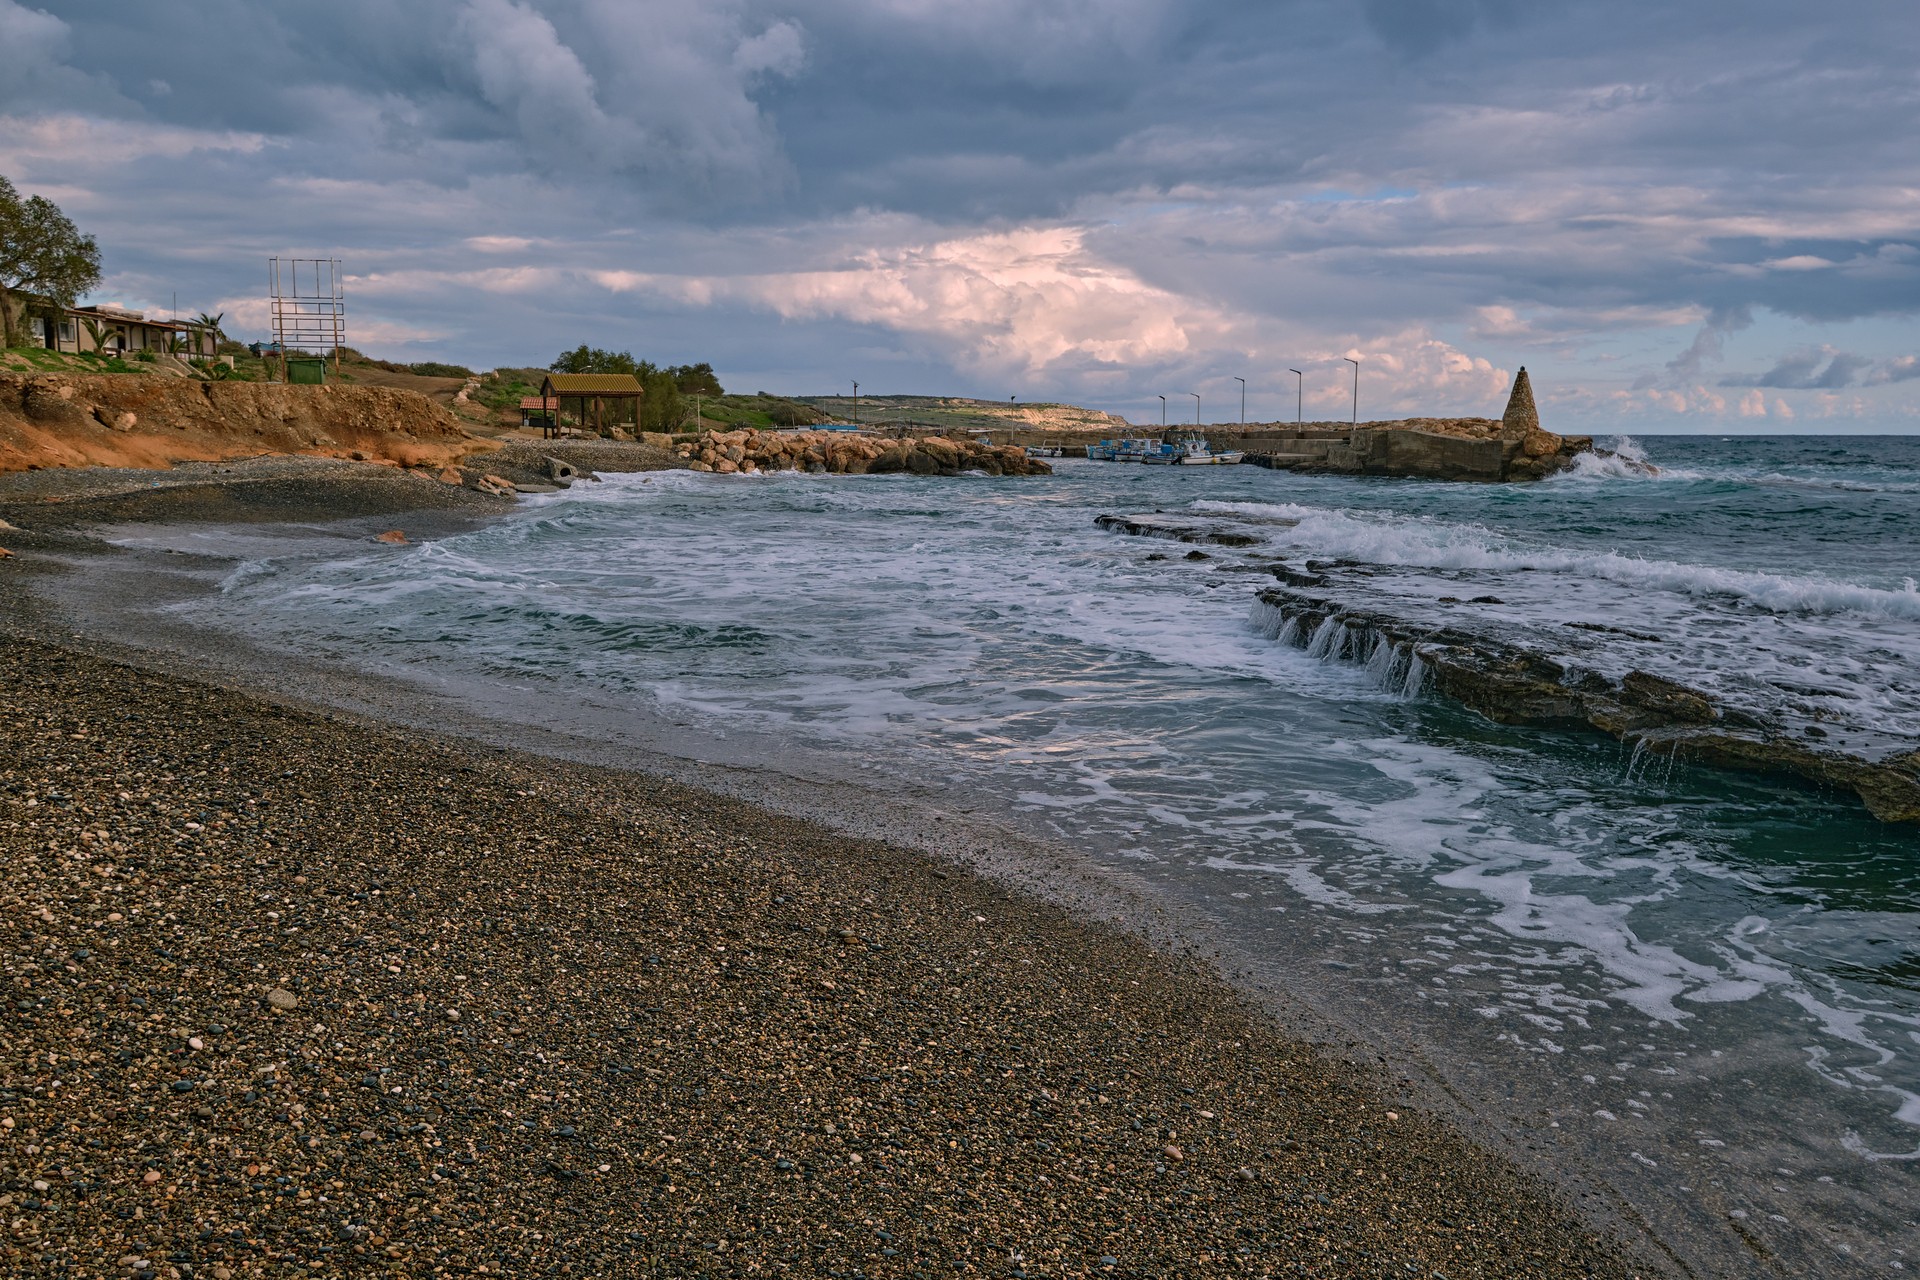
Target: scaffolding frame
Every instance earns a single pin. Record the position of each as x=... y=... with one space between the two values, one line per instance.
x=309 y=302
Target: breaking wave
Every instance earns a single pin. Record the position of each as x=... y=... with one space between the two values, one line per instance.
x=1428 y=544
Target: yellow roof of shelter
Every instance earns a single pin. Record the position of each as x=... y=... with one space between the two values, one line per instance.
x=592 y=384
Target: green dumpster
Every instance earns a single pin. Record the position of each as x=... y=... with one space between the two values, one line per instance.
x=307 y=371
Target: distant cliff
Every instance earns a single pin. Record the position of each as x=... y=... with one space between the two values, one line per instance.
x=957 y=413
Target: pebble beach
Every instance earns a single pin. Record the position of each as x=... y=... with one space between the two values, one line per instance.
x=293 y=994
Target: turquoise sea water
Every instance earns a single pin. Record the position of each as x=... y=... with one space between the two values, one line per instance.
x=1708 y=982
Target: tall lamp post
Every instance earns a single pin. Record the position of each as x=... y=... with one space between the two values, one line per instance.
x=1196 y=409
x=1243 y=399
x=856 y=404
x=1163 y=413
x=1299 y=394
x=1356 y=388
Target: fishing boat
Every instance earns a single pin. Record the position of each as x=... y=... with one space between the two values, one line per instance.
x=1136 y=449
x=1192 y=450
x=1197 y=453
x=1104 y=451
x=1044 y=451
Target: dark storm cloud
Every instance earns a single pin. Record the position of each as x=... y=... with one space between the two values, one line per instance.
x=1419 y=27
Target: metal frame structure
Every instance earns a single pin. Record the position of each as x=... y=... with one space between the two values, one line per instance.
x=309 y=302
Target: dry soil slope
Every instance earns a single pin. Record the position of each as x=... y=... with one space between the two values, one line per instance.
x=60 y=420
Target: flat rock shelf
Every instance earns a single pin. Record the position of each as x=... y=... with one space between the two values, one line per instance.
x=1545 y=656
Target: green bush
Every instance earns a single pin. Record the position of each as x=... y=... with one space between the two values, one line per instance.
x=145 y=357
x=435 y=369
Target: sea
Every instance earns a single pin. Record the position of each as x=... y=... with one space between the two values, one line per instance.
x=1695 y=992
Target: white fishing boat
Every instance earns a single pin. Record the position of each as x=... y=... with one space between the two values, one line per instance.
x=1044 y=451
x=1199 y=454
x=1192 y=450
x=1136 y=449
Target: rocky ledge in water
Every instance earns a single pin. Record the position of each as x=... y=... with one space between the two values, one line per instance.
x=1158 y=525
x=850 y=453
x=1712 y=677
x=1587 y=678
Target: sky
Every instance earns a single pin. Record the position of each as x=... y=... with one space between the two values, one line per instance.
x=1677 y=217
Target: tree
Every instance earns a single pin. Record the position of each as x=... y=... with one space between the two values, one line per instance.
x=695 y=379
x=41 y=253
x=585 y=359
x=661 y=408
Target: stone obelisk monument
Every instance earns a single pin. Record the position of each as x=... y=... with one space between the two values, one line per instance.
x=1521 y=417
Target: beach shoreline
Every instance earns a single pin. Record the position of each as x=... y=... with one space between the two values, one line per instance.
x=108 y=684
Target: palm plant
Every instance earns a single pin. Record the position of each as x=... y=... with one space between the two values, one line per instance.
x=97 y=332
x=212 y=323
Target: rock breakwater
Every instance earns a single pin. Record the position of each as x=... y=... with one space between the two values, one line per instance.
x=1513 y=447
x=850 y=453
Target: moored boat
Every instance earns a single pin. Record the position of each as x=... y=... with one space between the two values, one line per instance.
x=1192 y=450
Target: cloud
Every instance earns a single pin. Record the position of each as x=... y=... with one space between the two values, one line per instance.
x=1710 y=342
x=34 y=47
x=780 y=50
x=1820 y=368
x=1091 y=195
x=1417 y=27
x=1899 y=369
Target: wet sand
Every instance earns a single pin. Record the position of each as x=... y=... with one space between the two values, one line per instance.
x=550 y=1018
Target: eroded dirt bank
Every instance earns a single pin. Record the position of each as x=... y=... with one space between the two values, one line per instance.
x=107 y=420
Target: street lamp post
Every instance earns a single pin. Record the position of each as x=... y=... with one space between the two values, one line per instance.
x=1243 y=399
x=1299 y=394
x=1196 y=409
x=1356 y=388
x=1163 y=413
x=856 y=404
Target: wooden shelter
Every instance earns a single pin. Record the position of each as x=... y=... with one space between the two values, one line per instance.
x=600 y=401
x=538 y=411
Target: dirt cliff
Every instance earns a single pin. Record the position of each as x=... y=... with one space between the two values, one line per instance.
x=67 y=420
